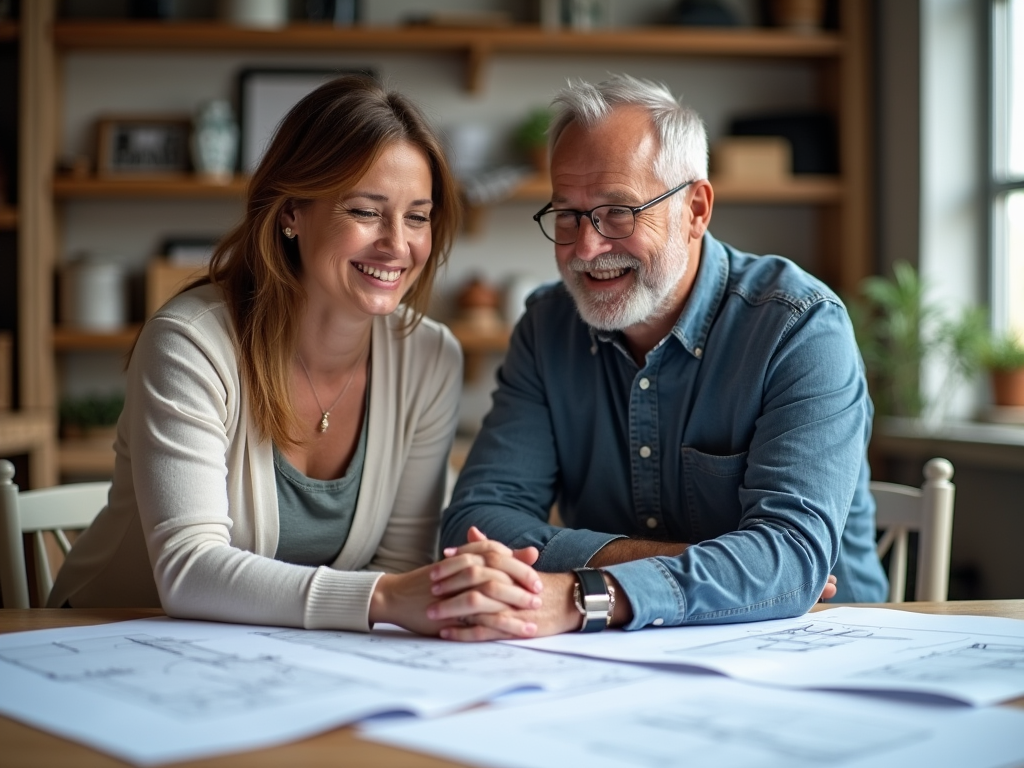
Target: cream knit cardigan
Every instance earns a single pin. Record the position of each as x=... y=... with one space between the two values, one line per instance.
x=191 y=522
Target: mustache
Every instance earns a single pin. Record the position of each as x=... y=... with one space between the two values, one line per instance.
x=605 y=262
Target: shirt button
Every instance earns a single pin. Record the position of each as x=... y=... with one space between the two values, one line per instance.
x=645 y=383
x=658 y=622
x=698 y=352
x=645 y=452
x=652 y=522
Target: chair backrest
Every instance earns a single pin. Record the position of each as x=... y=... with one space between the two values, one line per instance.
x=57 y=509
x=927 y=510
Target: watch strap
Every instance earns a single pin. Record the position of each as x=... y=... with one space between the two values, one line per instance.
x=592 y=600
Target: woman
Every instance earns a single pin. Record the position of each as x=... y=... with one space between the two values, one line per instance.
x=282 y=452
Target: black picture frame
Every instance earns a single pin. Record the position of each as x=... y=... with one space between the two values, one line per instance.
x=264 y=97
x=143 y=145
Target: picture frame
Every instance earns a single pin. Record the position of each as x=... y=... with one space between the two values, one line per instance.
x=143 y=145
x=264 y=97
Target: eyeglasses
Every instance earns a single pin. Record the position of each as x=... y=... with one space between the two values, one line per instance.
x=562 y=225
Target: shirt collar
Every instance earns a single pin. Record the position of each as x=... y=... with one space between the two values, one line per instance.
x=694 y=323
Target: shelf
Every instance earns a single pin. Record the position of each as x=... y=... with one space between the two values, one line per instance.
x=477 y=45
x=8 y=31
x=74 y=339
x=798 y=189
x=86 y=457
x=8 y=217
x=192 y=36
x=184 y=187
x=31 y=432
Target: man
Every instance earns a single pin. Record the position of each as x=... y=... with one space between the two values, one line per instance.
x=700 y=415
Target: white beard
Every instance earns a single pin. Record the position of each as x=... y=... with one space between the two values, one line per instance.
x=649 y=297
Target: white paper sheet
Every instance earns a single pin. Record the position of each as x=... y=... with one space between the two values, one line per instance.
x=974 y=659
x=160 y=690
x=692 y=721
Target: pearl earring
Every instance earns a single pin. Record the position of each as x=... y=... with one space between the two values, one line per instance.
x=288 y=233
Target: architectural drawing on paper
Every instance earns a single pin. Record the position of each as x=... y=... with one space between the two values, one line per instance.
x=472 y=659
x=713 y=731
x=176 y=677
x=806 y=638
x=976 y=662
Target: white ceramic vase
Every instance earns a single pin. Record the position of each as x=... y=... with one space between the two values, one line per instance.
x=215 y=142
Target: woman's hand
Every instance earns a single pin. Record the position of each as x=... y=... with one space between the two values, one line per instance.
x=480 y=578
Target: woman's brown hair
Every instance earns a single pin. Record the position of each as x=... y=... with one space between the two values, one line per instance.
x=323 y=146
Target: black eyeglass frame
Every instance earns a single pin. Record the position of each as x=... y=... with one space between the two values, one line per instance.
x=589 y=214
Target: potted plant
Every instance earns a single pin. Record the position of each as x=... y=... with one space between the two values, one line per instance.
x=93 y=417
x=890 y=318
x=1003 y=357
x=898 y=327
x=531 y=137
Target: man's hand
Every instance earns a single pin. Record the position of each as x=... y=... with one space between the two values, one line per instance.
x=830 y=589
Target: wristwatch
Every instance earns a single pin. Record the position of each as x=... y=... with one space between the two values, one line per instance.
x=592 y=599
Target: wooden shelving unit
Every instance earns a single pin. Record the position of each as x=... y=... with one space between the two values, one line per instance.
x=478 y=46
x=797 y=189
x=184 y=187
x=838 y=58
x=75 y=339
x=32 y=432
x=86 y=456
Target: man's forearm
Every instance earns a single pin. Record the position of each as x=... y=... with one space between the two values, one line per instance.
x=627 y=550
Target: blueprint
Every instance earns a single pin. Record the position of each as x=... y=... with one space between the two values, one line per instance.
x=519 y=668
x=698 y=721
x=974 y=659
x=160 y=690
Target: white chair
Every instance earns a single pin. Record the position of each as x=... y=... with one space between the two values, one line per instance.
x=927 y=510
x=56 y=509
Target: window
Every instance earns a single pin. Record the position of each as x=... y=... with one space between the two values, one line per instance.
x=1007 y=165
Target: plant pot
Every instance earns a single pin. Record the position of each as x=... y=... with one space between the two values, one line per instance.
x=1008 y=387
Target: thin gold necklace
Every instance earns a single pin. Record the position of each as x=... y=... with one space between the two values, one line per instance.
x=325 y=412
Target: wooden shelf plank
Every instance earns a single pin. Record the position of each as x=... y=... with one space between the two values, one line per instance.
x=74 y=339
x=8 y=217
x=527 y=39
x=86 y=457
x=797 y=189
x=185 y=187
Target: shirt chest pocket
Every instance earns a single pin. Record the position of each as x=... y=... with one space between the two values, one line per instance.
x=711 y=485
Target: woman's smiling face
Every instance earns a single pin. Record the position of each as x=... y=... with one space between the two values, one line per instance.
x=366 y=248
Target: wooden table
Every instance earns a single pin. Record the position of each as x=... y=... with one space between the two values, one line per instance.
x=23 y=745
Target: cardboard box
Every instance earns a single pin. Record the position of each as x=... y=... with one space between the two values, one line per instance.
x=164 y=280
x=752 y=158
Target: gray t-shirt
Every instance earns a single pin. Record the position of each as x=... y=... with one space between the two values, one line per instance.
x=316 y=515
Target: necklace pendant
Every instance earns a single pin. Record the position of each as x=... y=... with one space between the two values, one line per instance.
x=323 y=422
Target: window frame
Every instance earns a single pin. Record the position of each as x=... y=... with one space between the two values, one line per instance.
x=997 y=135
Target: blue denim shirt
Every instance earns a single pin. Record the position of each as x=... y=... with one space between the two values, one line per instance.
x=744 y=434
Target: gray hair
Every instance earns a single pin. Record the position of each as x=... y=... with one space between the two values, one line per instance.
x=683 y=154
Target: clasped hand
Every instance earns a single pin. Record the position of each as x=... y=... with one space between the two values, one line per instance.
x=467 y=595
